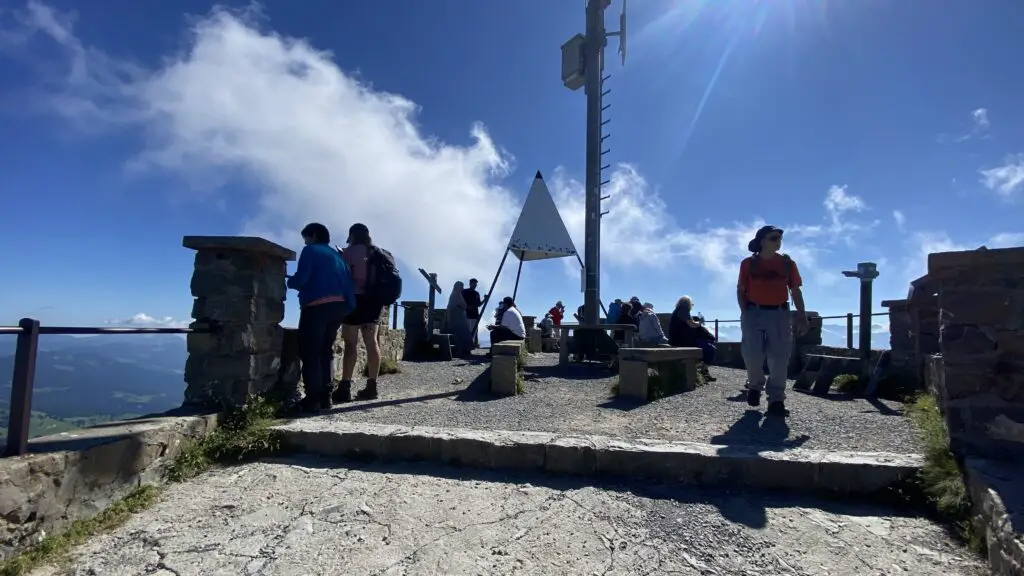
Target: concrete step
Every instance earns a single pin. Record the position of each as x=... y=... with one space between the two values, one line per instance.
x=689 y=463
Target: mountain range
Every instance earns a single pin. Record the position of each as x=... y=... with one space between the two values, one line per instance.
x=87 y=380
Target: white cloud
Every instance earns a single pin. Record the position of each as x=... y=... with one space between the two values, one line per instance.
x=979 y=128
x=312 y=142
x=143 y=320
x=1006 y=180
x=900 y=219
x=980 y=118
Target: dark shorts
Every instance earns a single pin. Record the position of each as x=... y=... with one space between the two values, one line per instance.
x=365 y=312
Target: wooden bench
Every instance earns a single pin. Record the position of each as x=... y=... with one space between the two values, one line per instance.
x=820 y=370
x=566 y=329
x=503 y=367
x=635 y=362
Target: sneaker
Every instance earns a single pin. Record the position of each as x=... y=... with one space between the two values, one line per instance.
x=754 y=397
x=343 y=393
x=777 y=409
x=369 y=392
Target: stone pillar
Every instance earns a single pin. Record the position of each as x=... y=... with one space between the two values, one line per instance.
x=981 y=300
x=528 y=322
x=238 y=285
x=415 y=324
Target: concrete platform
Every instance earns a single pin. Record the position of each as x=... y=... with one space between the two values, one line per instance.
x=685 y=462
x=306 y=516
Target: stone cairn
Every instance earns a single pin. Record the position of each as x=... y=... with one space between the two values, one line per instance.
x=239 y=289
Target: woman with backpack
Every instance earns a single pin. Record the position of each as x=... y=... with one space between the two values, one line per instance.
x=363 y=320
x=325 y=296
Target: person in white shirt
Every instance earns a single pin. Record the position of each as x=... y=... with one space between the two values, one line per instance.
x=512 y=326
x=649 y=331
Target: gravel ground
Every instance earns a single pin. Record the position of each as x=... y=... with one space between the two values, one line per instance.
x=577 y=401
x=304 y=516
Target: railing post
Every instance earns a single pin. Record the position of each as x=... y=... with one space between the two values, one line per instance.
x=849 y=330
x=21 y=387
x=716 y=329
x=394 y=317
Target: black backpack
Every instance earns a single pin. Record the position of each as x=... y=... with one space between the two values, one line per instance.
x=383 y=282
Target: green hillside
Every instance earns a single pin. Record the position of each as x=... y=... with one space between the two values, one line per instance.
x=43 y=424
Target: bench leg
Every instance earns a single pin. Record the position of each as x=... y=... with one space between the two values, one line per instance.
x=563 y=348
x=633 y=380
x=691 y=375
x=503 y=375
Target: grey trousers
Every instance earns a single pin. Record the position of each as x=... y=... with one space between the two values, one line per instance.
x=767 y=334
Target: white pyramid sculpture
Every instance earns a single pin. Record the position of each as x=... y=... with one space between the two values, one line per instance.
x=540 y=233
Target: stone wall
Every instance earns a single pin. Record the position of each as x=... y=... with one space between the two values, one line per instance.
x=392 y=343
x=76 y=475
x=913 y=333
x=981 y=297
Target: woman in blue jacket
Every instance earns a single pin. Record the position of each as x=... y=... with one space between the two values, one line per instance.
x=325 y=297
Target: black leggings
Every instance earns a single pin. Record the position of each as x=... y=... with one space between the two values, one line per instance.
x=318 y=329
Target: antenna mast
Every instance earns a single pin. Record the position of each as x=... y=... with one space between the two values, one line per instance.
x=583 y=66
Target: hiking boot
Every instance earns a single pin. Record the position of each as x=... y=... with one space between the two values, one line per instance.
x=754 y=398
x=369 y=392
x=343 y=394
x=707 y=374
x=777 y=409
x=309 y=405
x=325 y=402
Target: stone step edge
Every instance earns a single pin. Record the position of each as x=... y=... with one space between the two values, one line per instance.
x=685 y=462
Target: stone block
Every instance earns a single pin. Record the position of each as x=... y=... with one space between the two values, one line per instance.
x=528 y=322
x=238 y=366
x=571 y=456
x=246 y=339
x=633 y=380
x=503 y=375
x=225 y=309
x=967 y=263
x=997 y=510
x=992 y=307
x=534 y=344
x=984 y=426
x=207 y=282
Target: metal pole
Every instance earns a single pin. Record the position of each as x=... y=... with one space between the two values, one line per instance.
x=865 y=329
x=23 y=380
x=519 y=272
x=494 y=282
x=849 y=330
x=593 y=50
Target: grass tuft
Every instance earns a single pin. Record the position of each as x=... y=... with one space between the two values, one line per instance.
x=387 y=366
x=941 y=478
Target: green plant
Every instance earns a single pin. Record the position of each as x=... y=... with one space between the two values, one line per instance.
x=387 y=366
x=847 y=384
x=941 y=478
x=56 y=546
x=521 y=360
x=243 y=434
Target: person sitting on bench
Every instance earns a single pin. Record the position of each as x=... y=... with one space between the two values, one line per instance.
x=511 y=325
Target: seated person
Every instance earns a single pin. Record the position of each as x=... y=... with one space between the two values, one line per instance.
x=625 y=317
x=579 y=314
x=547 y=327
x=649 y=332
x=510 y=326
x=685 y=332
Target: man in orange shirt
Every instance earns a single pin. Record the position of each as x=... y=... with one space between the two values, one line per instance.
x=766 y=281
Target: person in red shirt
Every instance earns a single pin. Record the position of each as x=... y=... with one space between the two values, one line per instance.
x=557 y=312
x=767 y=279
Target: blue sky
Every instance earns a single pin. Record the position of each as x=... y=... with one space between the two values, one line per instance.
x=868 y=130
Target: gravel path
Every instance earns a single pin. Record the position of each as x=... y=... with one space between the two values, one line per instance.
x=305 y=516
x=572 y=401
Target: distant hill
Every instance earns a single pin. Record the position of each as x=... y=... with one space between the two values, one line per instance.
x=83 y=381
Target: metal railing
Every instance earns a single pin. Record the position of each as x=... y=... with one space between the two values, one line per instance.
x=849 y=324
x=28 y=331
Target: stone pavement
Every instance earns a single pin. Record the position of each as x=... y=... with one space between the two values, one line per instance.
x=577 y=400
x=305 y=516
